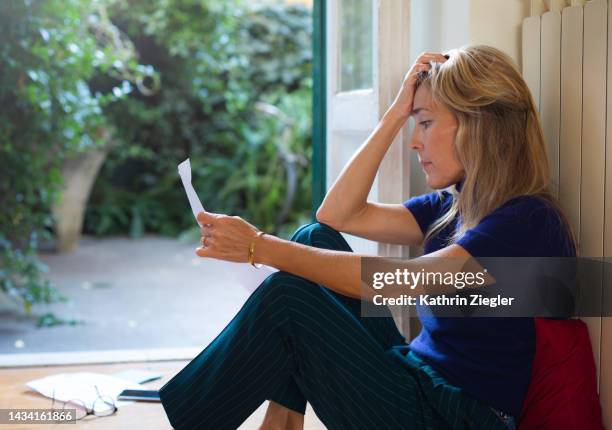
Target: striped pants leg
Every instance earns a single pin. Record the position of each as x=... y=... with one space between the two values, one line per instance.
x=294 y=341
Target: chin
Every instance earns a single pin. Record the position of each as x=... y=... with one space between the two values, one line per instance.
x=437 y=183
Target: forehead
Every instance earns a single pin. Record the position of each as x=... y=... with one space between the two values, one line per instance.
x=424 y=103
x=423 y=100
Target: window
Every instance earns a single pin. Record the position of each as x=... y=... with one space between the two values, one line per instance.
x=355 y=50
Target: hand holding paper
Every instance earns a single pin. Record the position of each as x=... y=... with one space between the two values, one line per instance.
x=227 y=238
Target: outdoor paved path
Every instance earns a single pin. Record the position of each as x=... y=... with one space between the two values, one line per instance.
x=129 y=294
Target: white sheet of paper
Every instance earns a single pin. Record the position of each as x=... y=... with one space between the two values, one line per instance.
x=184 y=170
x=243 y=274
x=248 y=276
x=138 y=376
x=81 y=386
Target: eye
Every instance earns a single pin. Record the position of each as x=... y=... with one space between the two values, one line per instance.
x=425 y=124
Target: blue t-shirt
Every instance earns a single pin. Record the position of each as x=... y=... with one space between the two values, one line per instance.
x=489 y=358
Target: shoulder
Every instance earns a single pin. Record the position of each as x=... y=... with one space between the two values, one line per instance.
x=528 y=225
x=426 y=208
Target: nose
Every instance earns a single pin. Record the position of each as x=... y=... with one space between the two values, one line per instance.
x=415 y=142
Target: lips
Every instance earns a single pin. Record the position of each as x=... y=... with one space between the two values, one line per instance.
x=425 y=164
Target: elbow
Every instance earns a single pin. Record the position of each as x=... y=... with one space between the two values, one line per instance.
x=324 y=218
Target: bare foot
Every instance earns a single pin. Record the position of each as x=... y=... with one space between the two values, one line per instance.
x=279 y=417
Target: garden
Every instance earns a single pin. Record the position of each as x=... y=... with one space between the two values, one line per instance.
x=100 y=100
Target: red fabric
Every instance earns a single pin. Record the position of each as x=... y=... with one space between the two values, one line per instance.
x=562 y=394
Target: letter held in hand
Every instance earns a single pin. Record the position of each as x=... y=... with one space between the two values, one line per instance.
x=244 y=274
x=184 y=170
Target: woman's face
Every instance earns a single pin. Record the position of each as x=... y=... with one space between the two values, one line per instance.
x=434 y=140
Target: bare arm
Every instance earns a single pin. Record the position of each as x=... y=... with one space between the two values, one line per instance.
x=345 y=206
x=230 y=238
x=341 y=271
x=348 y=194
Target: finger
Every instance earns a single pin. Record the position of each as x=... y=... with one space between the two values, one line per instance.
x=204 y=241
x=432 y=55
x=418 y=69
x=204 y=252
x=430 y=60
x=424 y=59
x=206 y=217
x=206 y=229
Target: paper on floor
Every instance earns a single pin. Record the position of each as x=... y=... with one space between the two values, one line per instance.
x=242 y=273
x=81 y=386
x=138 y=376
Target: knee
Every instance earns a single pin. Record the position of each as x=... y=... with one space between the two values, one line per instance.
x=277 y=283
x=282 y=281
x=285 y=284
x=321 y=236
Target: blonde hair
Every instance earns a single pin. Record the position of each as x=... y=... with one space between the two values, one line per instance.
x=499 y=139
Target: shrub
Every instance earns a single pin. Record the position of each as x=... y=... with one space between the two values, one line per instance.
x=50 y=49
x=217 y=71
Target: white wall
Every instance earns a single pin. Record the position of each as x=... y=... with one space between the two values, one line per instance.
x=499 y=23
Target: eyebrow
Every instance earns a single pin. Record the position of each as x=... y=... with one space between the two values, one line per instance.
x=417 y=110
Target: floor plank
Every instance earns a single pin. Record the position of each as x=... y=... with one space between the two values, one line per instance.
x=14 y=394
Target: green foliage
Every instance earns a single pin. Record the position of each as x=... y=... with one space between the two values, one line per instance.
x=50 y=50
x=50 y=320
x=21 y=274
x=225 y=83
x=214 y=71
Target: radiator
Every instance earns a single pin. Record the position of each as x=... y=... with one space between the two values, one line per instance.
x=567 y=64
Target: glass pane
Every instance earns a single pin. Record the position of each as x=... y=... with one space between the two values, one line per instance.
x=355 y=45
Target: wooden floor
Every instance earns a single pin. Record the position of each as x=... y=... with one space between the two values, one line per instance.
x=14 y=394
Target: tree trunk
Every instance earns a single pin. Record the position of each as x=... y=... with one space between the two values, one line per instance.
x=79 y=175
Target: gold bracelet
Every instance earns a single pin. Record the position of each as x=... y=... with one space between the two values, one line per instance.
x=252 y=251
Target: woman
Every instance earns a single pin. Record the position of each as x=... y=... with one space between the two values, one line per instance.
x=301 y=337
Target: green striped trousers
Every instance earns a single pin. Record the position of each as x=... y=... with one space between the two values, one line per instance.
x=293 y=342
